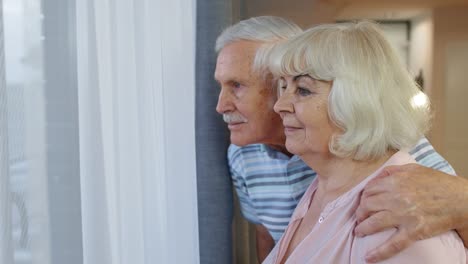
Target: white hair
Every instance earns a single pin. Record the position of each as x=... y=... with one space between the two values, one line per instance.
x=372 y=92
x=266 y=30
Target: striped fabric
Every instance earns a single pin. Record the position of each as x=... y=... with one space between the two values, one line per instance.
x=269 y=184
x=425 y=155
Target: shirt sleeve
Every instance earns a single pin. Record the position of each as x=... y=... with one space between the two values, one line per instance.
x=425 y=154
x=445 y=248
x=236 y=167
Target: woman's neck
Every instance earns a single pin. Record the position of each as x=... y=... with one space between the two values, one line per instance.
x=339 y=175
x=281 y=148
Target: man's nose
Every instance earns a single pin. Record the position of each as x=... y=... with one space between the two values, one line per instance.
x=225 y=102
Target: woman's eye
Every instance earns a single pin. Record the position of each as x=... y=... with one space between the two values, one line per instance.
x=281 y=89
x=303 y=91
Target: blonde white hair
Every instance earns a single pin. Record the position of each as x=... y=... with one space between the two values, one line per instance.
x=372 y=92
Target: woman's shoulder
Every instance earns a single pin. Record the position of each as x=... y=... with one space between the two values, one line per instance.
x=444 y=248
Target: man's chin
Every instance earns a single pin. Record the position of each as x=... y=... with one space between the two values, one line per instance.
x=241 y=141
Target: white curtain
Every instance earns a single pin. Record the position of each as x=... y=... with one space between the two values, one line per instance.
x=6 y=250
x=136 y=126
x=97 y=142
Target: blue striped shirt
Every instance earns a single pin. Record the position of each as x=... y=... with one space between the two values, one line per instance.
x=269 y=184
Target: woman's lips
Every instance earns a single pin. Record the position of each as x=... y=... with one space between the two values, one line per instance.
x=290 y=129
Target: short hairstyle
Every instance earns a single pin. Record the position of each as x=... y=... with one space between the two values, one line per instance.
x=264 y=29
x=372 y=93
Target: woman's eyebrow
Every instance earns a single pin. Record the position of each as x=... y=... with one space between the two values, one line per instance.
x=302 y=76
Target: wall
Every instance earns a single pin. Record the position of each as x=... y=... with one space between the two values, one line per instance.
x=421 y=49
x=303 y=12
x=450 y=83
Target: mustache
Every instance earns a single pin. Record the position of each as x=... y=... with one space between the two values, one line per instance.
x=234 y=118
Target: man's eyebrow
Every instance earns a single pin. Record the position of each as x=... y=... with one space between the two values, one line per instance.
x=229 y=81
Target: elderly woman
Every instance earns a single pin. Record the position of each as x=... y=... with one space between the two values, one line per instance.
x=348 y=109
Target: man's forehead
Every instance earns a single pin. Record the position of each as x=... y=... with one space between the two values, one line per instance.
x=232 y=74
x=230 y=65
x=231 y=56
x=243 y=51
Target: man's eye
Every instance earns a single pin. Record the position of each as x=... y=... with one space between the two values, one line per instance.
x=236 y=85
x=303 y=91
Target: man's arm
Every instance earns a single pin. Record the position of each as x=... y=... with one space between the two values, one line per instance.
x=265 y=242
x=420 y=202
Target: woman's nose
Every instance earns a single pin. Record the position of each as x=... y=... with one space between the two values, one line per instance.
x=284 y=104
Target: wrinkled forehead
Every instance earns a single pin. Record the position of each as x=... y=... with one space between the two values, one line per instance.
x=238 y=65
x=234 y=59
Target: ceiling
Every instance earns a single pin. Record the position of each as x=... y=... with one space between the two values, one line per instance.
x=310 y=11
x=389 y=10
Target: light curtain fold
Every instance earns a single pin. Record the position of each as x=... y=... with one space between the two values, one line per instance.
x=137 y=141
x=6 y=247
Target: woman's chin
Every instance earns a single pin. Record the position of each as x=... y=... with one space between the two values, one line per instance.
x=294 y=147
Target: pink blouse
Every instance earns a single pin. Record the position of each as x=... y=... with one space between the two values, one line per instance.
x=332 y=239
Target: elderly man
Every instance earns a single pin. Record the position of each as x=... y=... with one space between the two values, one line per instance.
x=270 y=181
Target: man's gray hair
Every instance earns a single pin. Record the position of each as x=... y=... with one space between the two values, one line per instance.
x=264 y=29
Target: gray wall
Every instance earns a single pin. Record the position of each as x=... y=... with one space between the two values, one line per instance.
x=212 y=139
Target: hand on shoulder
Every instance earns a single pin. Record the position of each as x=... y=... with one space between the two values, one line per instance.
x=420 y=202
